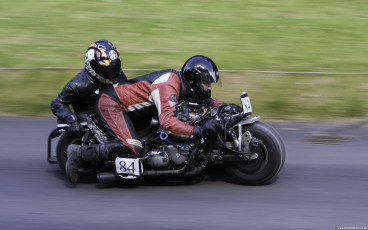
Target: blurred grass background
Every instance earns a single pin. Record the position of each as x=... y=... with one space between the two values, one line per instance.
x=250 y=35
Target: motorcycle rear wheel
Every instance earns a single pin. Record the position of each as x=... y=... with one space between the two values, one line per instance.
x=271 y=157
x=86 y=174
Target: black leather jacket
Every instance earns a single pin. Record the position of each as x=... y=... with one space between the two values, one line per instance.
x=81 y=93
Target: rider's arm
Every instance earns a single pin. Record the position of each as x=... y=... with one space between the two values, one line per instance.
x=60 y=106
x=165 y=95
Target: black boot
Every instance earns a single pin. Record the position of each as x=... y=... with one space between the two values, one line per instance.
x=76 y=156
x=89 y=153
x=73 y=163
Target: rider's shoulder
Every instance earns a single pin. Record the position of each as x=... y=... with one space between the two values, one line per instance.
x=166 y=76
x=82 y=83
x=156 y=77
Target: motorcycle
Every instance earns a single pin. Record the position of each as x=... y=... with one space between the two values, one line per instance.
x=251 y=151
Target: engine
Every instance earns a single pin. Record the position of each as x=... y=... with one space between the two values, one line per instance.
x=189 y=112
x=171 y=154
x=166 y=156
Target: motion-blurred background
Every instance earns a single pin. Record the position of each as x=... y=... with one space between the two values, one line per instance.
x=317 y=50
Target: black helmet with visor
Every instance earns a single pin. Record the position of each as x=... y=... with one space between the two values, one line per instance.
x=198 y=71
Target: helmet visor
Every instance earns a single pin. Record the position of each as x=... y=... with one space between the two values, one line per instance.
x=209 y=77
x=110 y=72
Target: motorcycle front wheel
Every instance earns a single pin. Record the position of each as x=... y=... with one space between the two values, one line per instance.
x=88 y=173
x=270 y=160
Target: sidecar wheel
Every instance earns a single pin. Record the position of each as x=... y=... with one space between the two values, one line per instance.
x=88 y=175
x=271 y=157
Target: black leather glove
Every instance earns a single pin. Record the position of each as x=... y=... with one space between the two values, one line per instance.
x=231 y=108
x=74 y=126
x=209 y=126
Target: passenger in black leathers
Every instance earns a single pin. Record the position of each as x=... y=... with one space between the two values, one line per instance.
x=102 y=69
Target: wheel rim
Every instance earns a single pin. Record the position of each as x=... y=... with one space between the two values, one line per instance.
x=257 y=165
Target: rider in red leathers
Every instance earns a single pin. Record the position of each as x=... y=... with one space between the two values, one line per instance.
x=138 y=100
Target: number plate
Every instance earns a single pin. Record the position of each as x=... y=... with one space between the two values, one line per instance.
x=245 y=101
x=129 y=166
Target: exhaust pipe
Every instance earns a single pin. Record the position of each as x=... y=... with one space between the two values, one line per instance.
x=108 y=177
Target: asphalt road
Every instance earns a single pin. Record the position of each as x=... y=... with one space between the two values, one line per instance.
x=323 y=185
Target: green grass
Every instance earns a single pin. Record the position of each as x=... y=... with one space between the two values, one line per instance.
x=299 y=97
x=284 y=35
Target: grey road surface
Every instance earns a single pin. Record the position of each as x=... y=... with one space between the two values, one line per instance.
x=323 y=185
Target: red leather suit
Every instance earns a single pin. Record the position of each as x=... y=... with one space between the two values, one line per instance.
x=139 y=99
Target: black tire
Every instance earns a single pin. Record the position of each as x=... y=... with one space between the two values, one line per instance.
x=270 y=159
x=85 y=175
